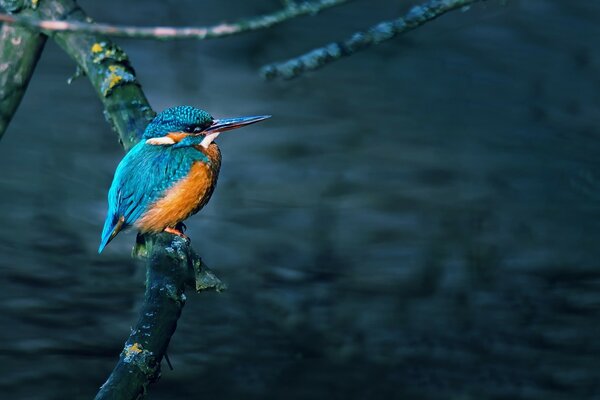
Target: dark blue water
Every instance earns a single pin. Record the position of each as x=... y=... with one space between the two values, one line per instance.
x=419 y=221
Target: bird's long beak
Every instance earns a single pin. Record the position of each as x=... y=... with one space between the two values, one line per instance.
x=227 y=124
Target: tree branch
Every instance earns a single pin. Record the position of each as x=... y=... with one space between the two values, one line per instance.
x=290 y=11
x=107 y=67
x=20 y=49
x=376 y=34
x=171 y=265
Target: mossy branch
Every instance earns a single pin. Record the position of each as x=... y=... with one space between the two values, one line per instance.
x=171 y=265
x=386 y=30
x=20 y=49
x=107 y=67
x=290 y=11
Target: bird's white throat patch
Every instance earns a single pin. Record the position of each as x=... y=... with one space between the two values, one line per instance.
x=208 y=139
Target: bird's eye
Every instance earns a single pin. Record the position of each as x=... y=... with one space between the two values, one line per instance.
x=193 y=129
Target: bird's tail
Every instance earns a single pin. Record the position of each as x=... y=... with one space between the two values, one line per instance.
x=112 y=226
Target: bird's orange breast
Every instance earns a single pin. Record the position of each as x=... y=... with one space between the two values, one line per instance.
x=186 y=197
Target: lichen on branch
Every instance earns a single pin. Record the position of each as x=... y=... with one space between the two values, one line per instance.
x=171 y=266
x=107 y=67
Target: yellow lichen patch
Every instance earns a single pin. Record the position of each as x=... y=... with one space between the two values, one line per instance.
x=106 y=51
x=114 y=79
x=116 y=75
x=132 y=350
x=97 y=48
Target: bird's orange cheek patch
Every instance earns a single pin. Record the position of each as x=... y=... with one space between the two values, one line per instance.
x=177 y=136
x=169 y=139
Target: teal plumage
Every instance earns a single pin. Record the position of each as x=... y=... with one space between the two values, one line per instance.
x=142 y=177
x=178 y=119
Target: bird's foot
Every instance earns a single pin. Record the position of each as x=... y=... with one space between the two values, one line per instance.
x=177 y=231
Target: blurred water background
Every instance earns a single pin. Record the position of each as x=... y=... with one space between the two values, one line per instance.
x=419 y=221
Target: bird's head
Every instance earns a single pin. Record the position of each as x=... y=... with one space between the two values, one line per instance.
x=189 y=126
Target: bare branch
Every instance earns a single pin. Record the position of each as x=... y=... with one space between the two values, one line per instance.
x=20 y=49
x=381 y=32
x=290 y=11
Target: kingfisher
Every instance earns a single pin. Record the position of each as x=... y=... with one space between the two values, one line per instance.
x=170 y=174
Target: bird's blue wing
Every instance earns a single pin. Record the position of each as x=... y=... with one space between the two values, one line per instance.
x=141 y=178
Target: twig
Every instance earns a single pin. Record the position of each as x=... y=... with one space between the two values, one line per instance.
x=20 y=49
x=383 y=31
x=290 y=11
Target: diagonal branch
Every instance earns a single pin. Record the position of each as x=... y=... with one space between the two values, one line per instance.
x=20 y=49
x=107 y=67
x=290 y=11
x=171 y=265
x=381 y=32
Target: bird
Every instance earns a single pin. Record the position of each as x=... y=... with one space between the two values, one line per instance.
x=170 y=174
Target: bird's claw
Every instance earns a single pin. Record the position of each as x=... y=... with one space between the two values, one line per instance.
x=177 y=231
